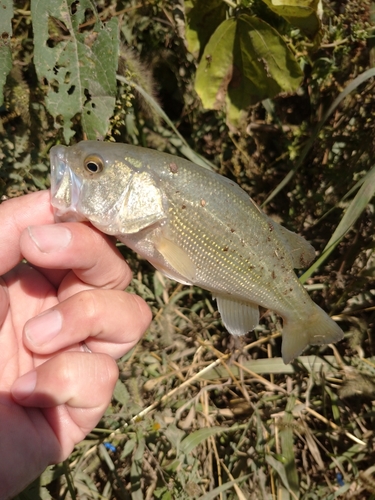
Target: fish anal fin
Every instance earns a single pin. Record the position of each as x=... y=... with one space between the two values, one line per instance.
x=317 y=329
x=238 y=317
x=177 y=258
x=301 y=252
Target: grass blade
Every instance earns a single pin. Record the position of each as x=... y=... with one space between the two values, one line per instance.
x=195 y=438
x=213 y=494
x=353 y=212
x=184 y=148
x=352 y=86
x=287 y=446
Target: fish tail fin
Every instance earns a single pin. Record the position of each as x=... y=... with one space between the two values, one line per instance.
x=317 y=329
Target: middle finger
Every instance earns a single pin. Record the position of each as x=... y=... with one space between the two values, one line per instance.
x=108 y=321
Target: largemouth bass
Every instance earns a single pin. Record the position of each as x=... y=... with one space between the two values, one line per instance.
x=196 y=227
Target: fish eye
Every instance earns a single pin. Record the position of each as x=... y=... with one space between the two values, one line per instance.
x=94 y=164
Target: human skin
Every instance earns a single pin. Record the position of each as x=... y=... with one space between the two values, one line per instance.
x=53 y=390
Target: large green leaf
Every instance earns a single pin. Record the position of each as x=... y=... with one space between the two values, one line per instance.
x=6 y=9
x=202 y=18
x=79 y=65
x=244 y=62
x=215 y=70
x=305 y=14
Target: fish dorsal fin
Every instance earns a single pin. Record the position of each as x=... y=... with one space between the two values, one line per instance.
x=301 y=252
x=177 y=259
x=238 y=317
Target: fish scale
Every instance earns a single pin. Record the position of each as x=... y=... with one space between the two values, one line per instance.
x=196 y=227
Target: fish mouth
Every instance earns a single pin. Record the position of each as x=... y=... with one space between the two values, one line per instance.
x=65 y=187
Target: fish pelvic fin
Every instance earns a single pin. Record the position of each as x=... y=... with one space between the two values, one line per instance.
x=317 y=329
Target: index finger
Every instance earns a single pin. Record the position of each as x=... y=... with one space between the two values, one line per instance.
x=17 y=214
x=91 y=255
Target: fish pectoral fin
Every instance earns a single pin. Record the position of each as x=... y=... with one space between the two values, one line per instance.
x=238 y=317
x=301 y=252
x=317 y=329
x=177 y=258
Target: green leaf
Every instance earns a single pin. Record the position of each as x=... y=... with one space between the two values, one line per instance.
x=128 y=448
x=305 y=14
x=280 y=469
x=136 y=472
x=6 y=10
x=86 y=487
x=174 y=435
x=202 y=18
x=34 y=492
x=287 y=445
x=215 y=70
x=121 y=393
x=244 y=62
x=195 y=438
x=78 y=65
x=296 y=8
x=266 y=64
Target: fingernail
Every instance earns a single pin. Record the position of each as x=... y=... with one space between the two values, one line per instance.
x=44 y=327
x=50 y=238
x=24 y=386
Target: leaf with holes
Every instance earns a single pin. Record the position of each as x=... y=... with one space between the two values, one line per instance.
x=77 y=56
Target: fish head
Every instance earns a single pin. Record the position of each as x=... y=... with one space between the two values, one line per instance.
x=106 y=185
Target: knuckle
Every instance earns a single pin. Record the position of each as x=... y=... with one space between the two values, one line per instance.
x=89 y=305
x=65 y=368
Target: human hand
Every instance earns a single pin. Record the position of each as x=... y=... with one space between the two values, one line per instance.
x=53 y=392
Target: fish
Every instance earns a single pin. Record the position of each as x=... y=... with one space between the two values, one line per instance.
x=196 y=227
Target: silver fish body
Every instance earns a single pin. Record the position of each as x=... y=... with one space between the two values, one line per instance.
x=196 y=227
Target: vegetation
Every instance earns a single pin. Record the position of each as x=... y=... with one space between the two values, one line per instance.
x=196 y=413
